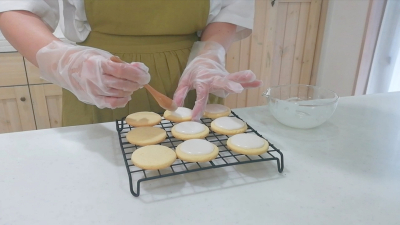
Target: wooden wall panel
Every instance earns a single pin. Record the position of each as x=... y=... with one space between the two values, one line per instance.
x=300 y=40
x=232 y=65
x=279 y=40
x=289 y=43
x=243 y=65
x=257 y=46
x=311 y=41
x=267 y=62
x=281 y=48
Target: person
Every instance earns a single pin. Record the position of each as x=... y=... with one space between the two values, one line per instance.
x=176 y=46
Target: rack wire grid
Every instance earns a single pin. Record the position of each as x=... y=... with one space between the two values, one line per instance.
x=224 y=158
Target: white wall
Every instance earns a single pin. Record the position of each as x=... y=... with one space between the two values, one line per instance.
x=341 y=46
x=385 y=68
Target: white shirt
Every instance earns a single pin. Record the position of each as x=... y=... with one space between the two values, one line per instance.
x=71 y=16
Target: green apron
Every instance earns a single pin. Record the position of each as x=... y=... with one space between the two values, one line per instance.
x=158 y=33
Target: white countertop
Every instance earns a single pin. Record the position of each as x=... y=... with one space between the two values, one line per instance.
x=346 y=171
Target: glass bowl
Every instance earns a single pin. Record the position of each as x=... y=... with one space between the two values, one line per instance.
x=300 y=105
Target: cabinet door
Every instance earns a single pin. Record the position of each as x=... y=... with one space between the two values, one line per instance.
x=12 y=69
x=280 y=49
x=16 y=112
x=46 y=100
x=33 y=74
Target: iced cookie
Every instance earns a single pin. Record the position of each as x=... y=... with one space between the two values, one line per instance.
x=214 y=111
x=153 y=157
x=143 y=136
x=190 y=130
x=247 y=144
x=228 y=125
x=180 y=115
x=143 y=119
x=197 y=150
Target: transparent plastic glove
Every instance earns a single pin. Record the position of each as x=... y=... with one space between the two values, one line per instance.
x=206 y=73
x=90 y=74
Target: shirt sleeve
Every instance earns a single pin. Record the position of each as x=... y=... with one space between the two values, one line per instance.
x=238 y=12
x=73 y=22
x=47 y=10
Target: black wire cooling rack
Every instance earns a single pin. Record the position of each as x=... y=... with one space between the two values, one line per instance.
x=224 y=158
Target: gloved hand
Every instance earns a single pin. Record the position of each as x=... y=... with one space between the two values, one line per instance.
x=90 y=74
x=206 y=73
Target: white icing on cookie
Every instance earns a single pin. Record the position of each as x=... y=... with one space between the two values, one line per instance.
x=197 y=147
x=248 y=141
x=229 y=123
x=189 y=127
x=216 y=108
x=182 y=112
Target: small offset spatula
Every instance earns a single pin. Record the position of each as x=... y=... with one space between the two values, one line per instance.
x=162 y=100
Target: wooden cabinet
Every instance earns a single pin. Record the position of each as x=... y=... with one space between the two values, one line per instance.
x=281 y=48
x=12 y=70
x=26 y=101
x=46 y=101
x=33 y=74
x=16 y=112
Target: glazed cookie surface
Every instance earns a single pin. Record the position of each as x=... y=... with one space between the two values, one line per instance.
x=214 y=111
x=247 y=144
x=153 y=157
x=143 y=136
x=228 y=125
x=190 y=130
x=143 y=119
x=180 y=115
x=197 y=150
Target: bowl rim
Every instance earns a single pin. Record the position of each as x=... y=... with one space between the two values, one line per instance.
x=334 y=99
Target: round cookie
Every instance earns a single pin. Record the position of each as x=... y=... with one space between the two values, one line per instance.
x=214 y=111
x=196 y=150
x=190 y=130
x=228 y=125
x=153 y=157
x=247 y=144
x=143 y=136
x=143 y=119
x=180 y=115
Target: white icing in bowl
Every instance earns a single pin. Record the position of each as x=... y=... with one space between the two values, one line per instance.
x=248 y=141
x=216 y=108
x=197 y=147
x=189 y=127
x=229 y=123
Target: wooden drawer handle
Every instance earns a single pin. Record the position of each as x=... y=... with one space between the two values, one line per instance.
x=23 y=99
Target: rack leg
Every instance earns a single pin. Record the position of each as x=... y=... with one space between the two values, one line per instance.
x=131 y=187
x=280 y=162
x=138 y=188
